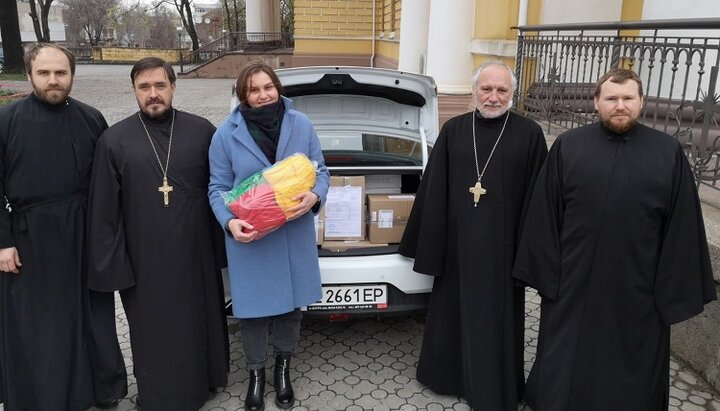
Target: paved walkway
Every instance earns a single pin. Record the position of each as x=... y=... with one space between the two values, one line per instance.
x=363 y=364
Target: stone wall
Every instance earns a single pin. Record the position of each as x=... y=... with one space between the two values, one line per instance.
x=228 y=66
x=133 y=54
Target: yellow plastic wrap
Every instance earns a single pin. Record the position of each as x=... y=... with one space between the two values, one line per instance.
x=290 y=177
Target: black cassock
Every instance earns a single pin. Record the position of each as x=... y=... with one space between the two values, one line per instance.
x=614 y=242
x=164 y=260
x=47 y=349
x=473 y=339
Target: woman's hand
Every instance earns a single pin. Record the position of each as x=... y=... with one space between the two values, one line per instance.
x=242 y=231
x=308 y=199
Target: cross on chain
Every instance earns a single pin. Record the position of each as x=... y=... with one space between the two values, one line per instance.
x=165 y=189
x=477 y=191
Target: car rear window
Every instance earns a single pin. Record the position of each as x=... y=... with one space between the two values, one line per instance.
x=370 y=150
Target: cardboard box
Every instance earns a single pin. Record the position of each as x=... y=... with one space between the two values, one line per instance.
x=340 y=246
x=388 y=216
x=383 y=184
x=345 y=209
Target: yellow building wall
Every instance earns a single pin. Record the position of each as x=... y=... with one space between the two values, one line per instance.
x=388 y=49
x=386 y=44
x=327 y=27
x=132 y=54
x=494 y=21
x=333 y=26
x=333 y=46
x=631 y=11
x=333 y=18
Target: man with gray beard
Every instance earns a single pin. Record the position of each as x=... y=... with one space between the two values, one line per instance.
x=463 y=230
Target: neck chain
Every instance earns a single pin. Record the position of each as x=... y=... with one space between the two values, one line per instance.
x=477 y=190
x=165 y=189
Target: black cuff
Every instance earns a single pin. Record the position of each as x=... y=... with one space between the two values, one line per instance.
x=316 y=207
x=227 y=222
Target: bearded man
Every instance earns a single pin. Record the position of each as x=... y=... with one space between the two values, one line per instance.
x=53 y=355
x=462 y=230
x=154 y=238
x=615 y=244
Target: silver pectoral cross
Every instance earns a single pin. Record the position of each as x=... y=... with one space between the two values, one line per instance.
x=477 y=191
x=165 y=189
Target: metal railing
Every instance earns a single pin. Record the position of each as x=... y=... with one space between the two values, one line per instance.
x=238 y=42
x=557 y=67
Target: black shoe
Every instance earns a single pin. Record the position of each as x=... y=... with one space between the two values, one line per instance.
x=107 y=404
x=284 y=395
x=255 y=398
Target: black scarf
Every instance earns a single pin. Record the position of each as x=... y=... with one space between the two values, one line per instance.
x=263 y=123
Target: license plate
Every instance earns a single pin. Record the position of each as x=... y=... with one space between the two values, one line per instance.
x=352 y=297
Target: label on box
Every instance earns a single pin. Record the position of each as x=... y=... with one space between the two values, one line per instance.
x=402 y=197
x=385 y=218
x=343 y=211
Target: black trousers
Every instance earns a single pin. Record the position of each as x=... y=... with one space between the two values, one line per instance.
x=254 y=335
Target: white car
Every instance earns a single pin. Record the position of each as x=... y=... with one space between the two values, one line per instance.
x=370 y=122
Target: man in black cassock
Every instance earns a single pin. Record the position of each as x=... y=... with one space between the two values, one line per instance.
x=614 y=242
x=153 y=237
x=52 y=353
x=463 y=229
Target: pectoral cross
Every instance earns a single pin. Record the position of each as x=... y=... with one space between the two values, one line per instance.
x=477 y=191
x=165 y=189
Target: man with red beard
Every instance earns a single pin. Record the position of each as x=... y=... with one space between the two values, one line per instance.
x=615 y=244
x=154 y=238
x=53 y=355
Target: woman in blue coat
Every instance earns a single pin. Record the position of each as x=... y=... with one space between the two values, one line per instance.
x=271 y=277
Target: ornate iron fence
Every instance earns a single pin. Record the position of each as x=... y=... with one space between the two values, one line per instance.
x=238 y=42
x=558 y=65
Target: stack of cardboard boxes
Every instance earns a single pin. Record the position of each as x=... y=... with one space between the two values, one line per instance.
x=363 y=211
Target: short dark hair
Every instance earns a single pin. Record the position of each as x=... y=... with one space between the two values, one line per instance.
x=32 y=54
x=150 y=63
x=249 y=70
x=619 y=76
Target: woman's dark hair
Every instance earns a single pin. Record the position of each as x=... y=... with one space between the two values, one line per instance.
x=249 y=70
x=150 y=63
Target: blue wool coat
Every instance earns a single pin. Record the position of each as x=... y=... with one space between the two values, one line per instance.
x=280 y=272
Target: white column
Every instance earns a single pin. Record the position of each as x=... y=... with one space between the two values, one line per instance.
x=522 y=13
x=449 y=59
x=414 y=36
x=271 y=16
x=253 y=16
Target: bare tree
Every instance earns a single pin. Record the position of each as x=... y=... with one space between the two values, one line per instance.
x=184 y=8
x=10 y=32
x=93 y=17
x=40 y=22
x=287 y=14
x=132 y=24
x=234 y=13
x=162 y=29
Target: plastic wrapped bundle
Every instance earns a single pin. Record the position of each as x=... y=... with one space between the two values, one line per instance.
x=264 y=198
